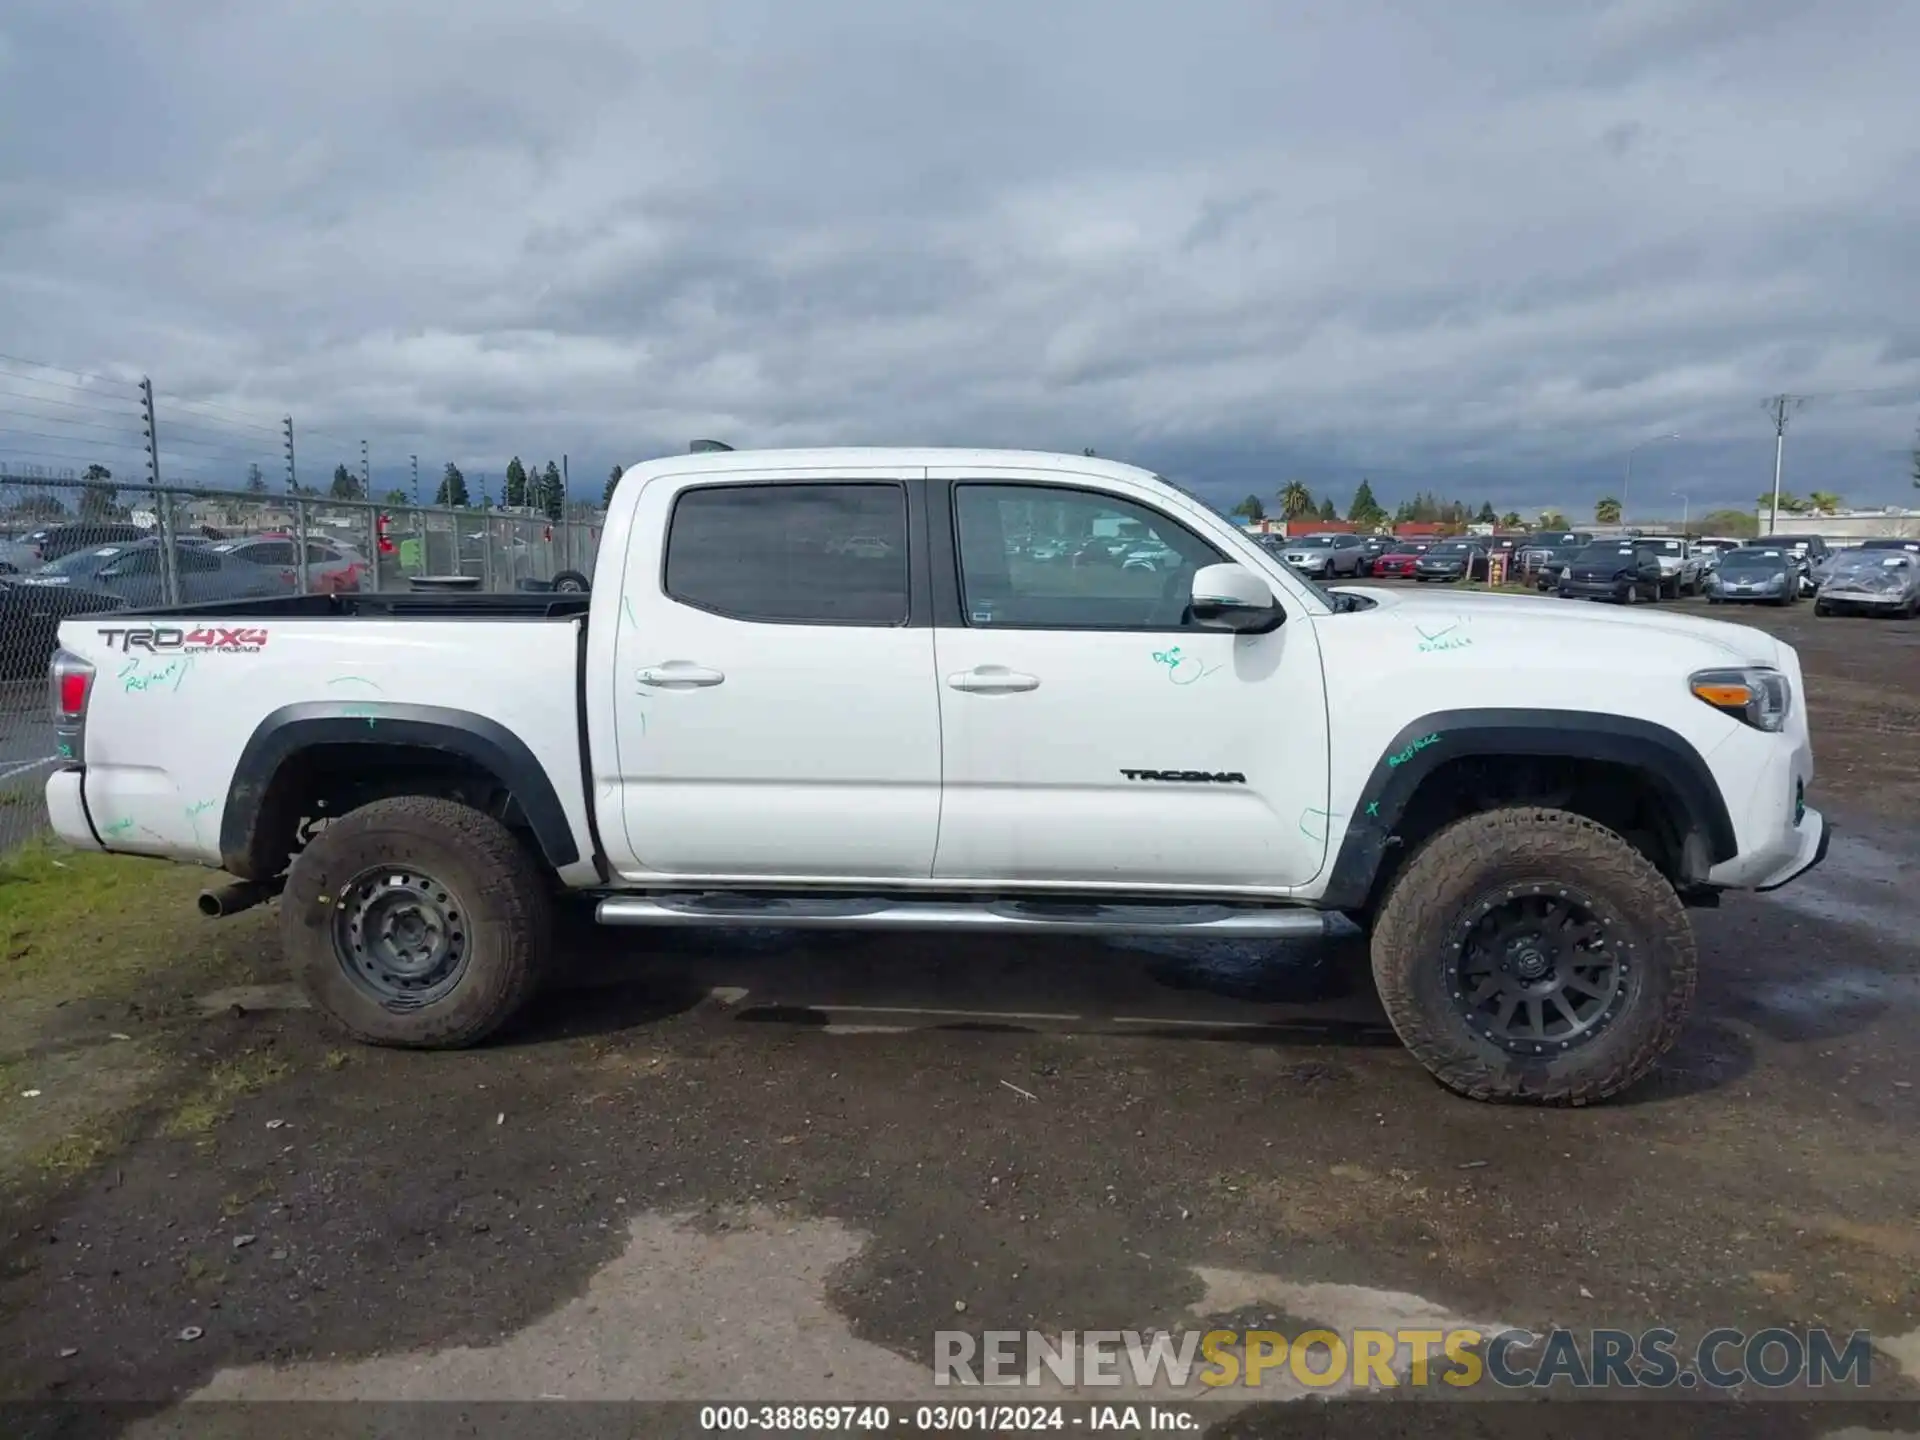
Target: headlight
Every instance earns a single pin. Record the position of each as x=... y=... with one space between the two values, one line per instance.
x=1759 y=696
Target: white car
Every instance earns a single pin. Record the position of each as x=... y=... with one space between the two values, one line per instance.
x=1683 y=564
x=740 y=726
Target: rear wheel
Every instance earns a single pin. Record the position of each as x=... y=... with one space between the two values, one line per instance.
x=417 y=922
x=1530 y=954
x=570 y=582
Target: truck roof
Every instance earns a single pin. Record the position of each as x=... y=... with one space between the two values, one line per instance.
x=832 y=456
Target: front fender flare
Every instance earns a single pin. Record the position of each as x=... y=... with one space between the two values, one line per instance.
x=1421 y=747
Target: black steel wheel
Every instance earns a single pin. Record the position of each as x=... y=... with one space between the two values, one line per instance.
x=400 y=935
x=418 y=921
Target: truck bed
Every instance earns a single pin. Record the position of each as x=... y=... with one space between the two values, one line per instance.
x=401 y=605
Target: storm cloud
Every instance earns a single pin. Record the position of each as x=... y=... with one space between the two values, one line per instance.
x=1483 y=247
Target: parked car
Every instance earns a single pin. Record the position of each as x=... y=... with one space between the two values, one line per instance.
x=131 y=573
x=1400 y=557
x=1371 y=549
x=1545 y=545
x=54 y=541
x=1876 y=582
x=1452 y=560
x=1623 y=571
x=1812 y=551
x=332 y=568
x=30 y=617
x=1892 y=543
x=1681 y=566
x=1526 y=909
x=17 y=556
x=1546 y=564
x=1324 y=557
x=1756 y=574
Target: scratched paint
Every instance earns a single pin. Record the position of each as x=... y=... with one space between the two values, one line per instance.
x=626 y=609
x=1412 y=750
x=353 y=680
x=1373 y=809
x=1183 y=669
x=362 y=711
x=1315 y=823
x=118 y=827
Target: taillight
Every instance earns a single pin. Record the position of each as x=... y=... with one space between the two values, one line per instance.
x=71 y=685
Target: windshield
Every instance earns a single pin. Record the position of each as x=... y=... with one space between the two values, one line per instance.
x=1863 y=562
x=1559 y=539
x=1754 y=560
x=1452 y=547
x=1665 y=547
x=1605 y=554
x=1312 y=542
x=82 y=562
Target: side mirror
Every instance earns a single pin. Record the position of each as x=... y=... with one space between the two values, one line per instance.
x=1232 y=597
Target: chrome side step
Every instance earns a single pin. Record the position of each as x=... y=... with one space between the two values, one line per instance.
x=1004 y=916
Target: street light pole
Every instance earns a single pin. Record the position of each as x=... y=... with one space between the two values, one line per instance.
x=1626 y=479
x=1686 y=514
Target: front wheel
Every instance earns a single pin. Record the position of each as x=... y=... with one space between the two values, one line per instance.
x=417 y=922
x=570 y=582
x=1532 y=955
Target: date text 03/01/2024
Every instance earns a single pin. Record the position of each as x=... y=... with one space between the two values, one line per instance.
x=942 y=1419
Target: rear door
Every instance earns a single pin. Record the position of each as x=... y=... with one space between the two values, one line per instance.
x=774 y=704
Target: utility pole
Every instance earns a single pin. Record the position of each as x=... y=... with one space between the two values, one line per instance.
x=1779 y=407
x=1626 y=477
x=293 y=479
x=416 y=478
x=366 y=475
x=153 y=431
x=1686 y=514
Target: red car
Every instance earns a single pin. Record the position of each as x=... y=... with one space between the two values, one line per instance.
x=1398 y=561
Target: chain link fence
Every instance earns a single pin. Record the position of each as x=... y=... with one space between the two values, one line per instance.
x=70 y=546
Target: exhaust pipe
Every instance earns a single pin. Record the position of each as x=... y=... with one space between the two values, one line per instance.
x=240 y=895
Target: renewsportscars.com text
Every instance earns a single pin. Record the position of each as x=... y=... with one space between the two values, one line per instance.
x=1461 y=1358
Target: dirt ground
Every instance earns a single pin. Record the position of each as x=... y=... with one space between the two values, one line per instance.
x=773 y=1166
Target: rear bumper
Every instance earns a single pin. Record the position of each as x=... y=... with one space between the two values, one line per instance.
x=68 y=811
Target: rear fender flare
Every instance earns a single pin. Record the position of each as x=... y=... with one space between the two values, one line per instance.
x=286 y=732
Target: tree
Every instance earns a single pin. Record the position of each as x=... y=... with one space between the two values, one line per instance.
x=1295 y=500
x=1790 y=504
x=97 y=500
x=1250 y=510
x=1607 y=510
x=1487 y=515
x=256 y=482
x=396 y=498
x=1552 y=520
x=553 y=492
x=613 y=479
x=1403 y=513
x=1327 y=510
x=516 y=491
x=453 y=487
x=1511 y=521
x=1824 y=502
x=1365 y=511
x=346 y=484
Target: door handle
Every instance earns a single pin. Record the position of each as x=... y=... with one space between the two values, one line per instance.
x=992 y=680
x=679 y=675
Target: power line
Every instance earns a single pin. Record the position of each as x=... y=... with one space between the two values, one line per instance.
x=85 y=375
x=232 y=417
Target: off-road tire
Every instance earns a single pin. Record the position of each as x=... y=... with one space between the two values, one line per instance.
x=1476 y=859
x=572 y=582
x=506 y=908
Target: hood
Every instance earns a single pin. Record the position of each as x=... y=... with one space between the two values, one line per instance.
x=1891 y=580
x=1532 y=622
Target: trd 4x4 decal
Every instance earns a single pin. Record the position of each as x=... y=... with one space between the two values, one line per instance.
x=176 y=640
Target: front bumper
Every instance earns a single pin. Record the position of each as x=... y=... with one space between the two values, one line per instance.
x=1866 y=602
x=1804 y=859
x=68 y=811
x=1594 y=589
x=1751 y=596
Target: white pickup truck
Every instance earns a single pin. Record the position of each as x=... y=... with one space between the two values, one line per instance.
x=917 y=689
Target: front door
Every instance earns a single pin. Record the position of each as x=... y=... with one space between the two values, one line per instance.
x=1093 y=734
x=774 y=706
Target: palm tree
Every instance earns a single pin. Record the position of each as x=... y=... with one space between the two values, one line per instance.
x=1511 y=520
x=1607 y=511
x=1295 y=500
x=1824 y=502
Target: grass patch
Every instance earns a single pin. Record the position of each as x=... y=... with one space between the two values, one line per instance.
x=73 y=924
x=225 y=1085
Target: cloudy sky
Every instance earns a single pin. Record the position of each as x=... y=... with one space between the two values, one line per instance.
x=1485 y=246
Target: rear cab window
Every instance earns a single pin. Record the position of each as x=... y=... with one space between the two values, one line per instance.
x=808 y=553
